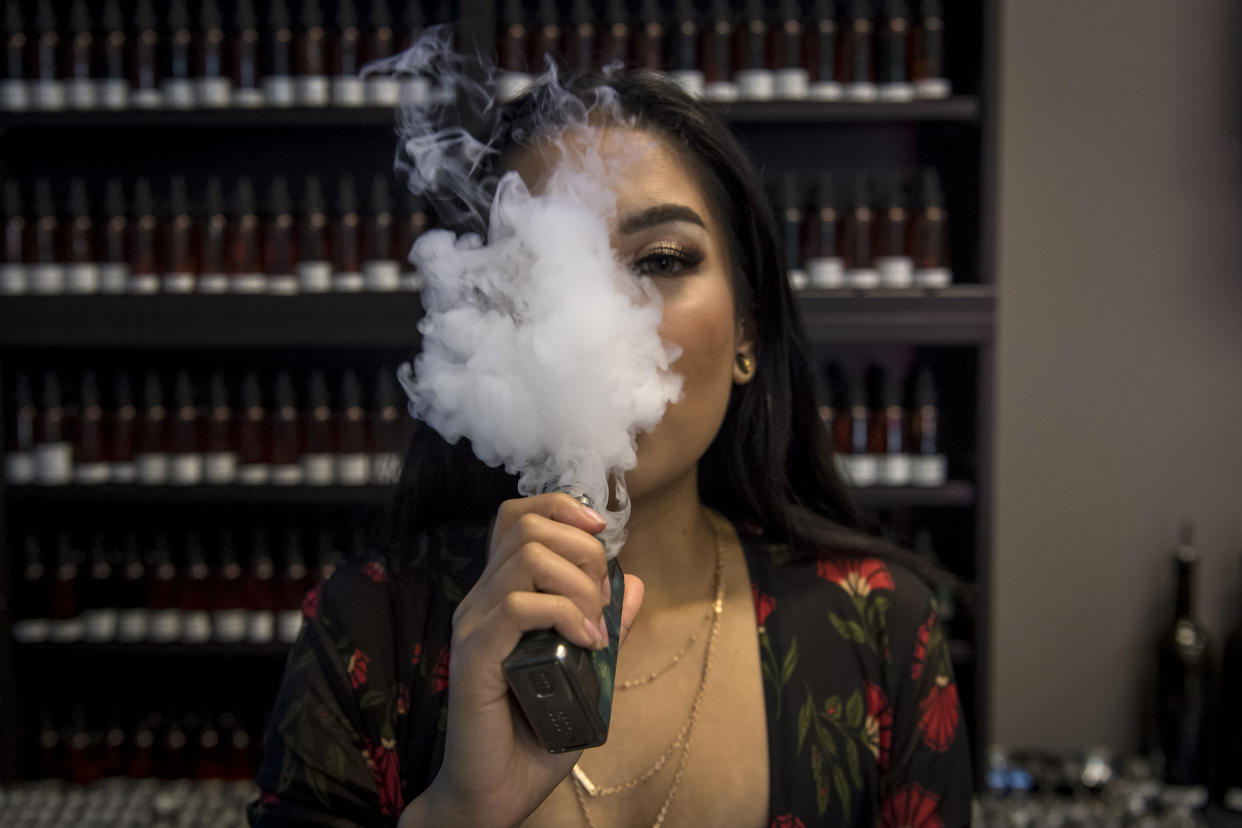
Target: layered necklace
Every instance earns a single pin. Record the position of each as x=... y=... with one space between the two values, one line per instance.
x=585 y=789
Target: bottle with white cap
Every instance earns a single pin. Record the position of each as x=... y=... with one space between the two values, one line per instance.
x=278 y=85
x=381 y=90
x=347 y=86
x=144 y=275
x=379 y=267
x=244 y=56
x=179 y=265
x=145 y=92
x=81 y=84
x=178 y=86
x=49 y=86
x=685 y=66
x=311 y=57
x=755 y=80
x=113 y=85
x=212 y=86
x=46 y=274
x=718 y=53
x=892 y=71
x=13 y=268
x=315 y=259
x=15 y=87
x=213 y=240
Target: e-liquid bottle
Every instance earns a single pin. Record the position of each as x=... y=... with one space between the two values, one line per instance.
x=822 y=60
x=213 y=230
x=413 y=224
x=896 y=467
x=755 y=79
x=245 y=251
x=651 y=34
x=121 y=432
x=151 y=455
x=931 y=82
x=387 y=430
x=379 y=268
x=82 y=271
x=228 y=613
x=279 y=244
x=278 y=85
x=347 y=227
x=212 y=86
x=19 y=449
x=244 y=56
x=790 y=77
x=46 y=274
x=163 y=602
x=685 y=66
x=178 y=86
x=419 y=91
x=824 y=265
x=929 y=467
x=53 y=453
x=144 y=74
x=894 y=40
x=179 y=265
x=292 y=581
x=861 y=461
x=66 y=615
x=186 y=443
x=113 y=86
x=381 y=41
x=789 y=217
x=286 y=452
x=83 y=58
x=546 y=43
x=315 y=261
x=90 y=461
x=48 y=87
x=615 y=38
x=144 y=274
x=15 y=88
x=13 y=279
x=891 y=257
x=513 y=43
x=253 y=435
x=317 y=462
x=929 y=235
x=220 y=457
x=856 y=237
x=258 y=593
x=32 y=610
x=857 y=58
x=347 y=85
x=99 y=593
x=132 y=603
x=114 y=269
x=311 y=64
x=353 y=465
x=195 y=590
x=580 y=37
x=718 y=52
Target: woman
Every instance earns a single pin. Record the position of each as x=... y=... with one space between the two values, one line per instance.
x=779 y=666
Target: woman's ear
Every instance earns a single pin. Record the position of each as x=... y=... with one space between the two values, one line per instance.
x=744 y=362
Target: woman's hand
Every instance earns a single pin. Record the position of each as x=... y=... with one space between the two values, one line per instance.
x=545 y=570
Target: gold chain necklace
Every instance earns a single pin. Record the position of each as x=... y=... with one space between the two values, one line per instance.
x=655 y=674
x=582 y=784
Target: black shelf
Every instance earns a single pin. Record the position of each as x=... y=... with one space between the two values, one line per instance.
x=962 y=314
x=963 y=108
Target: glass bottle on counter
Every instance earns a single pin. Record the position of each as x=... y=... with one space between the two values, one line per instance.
x=212 y=86
x=1184 y=678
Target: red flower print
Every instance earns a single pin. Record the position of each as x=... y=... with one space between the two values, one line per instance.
x=940 y=715
x=310 y=602
x=357 y=669
x=375 y=571
x=920 y=646
x=878 y=726
x=440 y=673
x=385 y=768
x=857 y=576
x=787 y=821
x=403 y=698
x=911 y=807
x=764 y=604
x=418 y=652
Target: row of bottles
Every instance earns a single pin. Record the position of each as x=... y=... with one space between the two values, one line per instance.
x=1195 y=722
x=145 y=54
x=131 y=588
x=884 y=432
x=865 y=231
x=213 y=432
x=130 y=242
x=133 y=803
x=824 y=50
x=88 y=742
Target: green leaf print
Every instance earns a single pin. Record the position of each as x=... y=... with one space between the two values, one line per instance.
x=849 y=630
x=336 y=762
x=791 y=662
x=843 y=789
x=851 y=758
x=854 y=710
x=319 y=785
x=372 y=698
x=821 y=781
x=804 y=719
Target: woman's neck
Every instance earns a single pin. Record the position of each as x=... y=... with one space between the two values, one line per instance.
x=671 y=545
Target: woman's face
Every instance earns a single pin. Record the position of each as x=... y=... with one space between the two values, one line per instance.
x=665 y=229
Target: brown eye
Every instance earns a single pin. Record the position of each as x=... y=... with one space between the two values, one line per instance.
x=666 y=261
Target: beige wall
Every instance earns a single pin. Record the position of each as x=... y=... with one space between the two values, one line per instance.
x=1119 y=364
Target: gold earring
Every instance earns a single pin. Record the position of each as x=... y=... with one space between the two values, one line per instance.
x=745 y=364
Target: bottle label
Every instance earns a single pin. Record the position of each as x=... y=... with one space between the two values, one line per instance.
x=46 y=278
x=895 y=271
x=381 y=275
x=12 y=279
x=213 y=283
x=690 y=80
x=312 y=90
x=348 y=91
x=896 y=470
x=248 y=98
x=385 y=468
x=792 y=84
x=352 y=469
x=289 y=624
x=213 y=92
x=348 y=282
x=929 y=470
x=933 y=88
x=286 y=474
x=411 y=281
x=114 y=277
x=82 y=94
x=144 y=283
x=113 y=93
x=132 y=625
x=862 y=92
x=165 y=624
x=318 y=469
x=14 y=94
x=864 y=278
x=220 y=467
x=195 y=626
x=53 y=463
x=229 y=625
x=82 y=277
x=92 y=474
x=315 y=277
x=123 y=472
x=185 y=469
x=179 y=282
x=933 y=277
x=261 y=628
x=826 y=91
x=19 y=468
x=864 y=470
x=147 y=99
x=282 y=285
x=798 y=279
x=67 y=629
x=896 y=92
x=152 y=468
x=826 y=273
x=382 y=91
x=101 y=624
x=722 y=91
x=179 y=93
x=249 y=283
x=253 y=474
x=31 y=630
x=48 y=94
x=756 y=84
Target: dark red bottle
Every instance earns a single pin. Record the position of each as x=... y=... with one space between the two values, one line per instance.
x=824 y=266
x=228 y=609
x=121 y=426
x=253 y=436
x=33 y=596
x=292 y=581
x=892 y=220
x=208 y=758
x=220 y=457
x=718 y=65
x=580 y=36
x=893 y=46
x=53 y=453
x=151 y=454
x=46 y=272
x=163 y=594
x=278 y=82
x=315 y=260
x=929 y=235
x=213 y=232
x=101 y=591
x=389 y=431
x=286 y=453
x=67 y=588
x=380 y=42
x=178 y=62
x=14 y=88
x=244 y=56
x=379 y=267
x=929 y=467
x=245 y=252
x=823 y=53
x=546 y=42
x=347 y=239
x=684 y=36
x=50 y=58
x=172 y=749
x=185 y=463
x=311 y=47
x=346 y=58
x=414 y=223
x=789 y=53
x=82 y=269
x=651 y=36
x=279 y=242
x=113 y=84
x=212 y=87
x=195 y=590
x=318 y=463
x=144 y=75
x=13 y=279
x=132 y=621
x=179 y=254
x=857 y=55
x=353 y=465
x=142 y=759
x=19 y=448
x=856 y=237
x=928 y=64
x=114 y=271
x=144 y=264
x=512 y=47
x=90 y=462
x=258 y=591
x=754 y=76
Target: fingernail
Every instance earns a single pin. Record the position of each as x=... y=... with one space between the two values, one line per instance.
x=592 y=632
x=603 y=632
x=589 y=512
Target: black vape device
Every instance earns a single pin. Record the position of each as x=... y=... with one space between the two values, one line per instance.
x=566 y=691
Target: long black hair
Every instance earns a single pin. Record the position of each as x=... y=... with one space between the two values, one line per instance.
x=770 y=468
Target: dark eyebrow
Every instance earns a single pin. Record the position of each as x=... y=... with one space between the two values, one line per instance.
x=659 y=214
